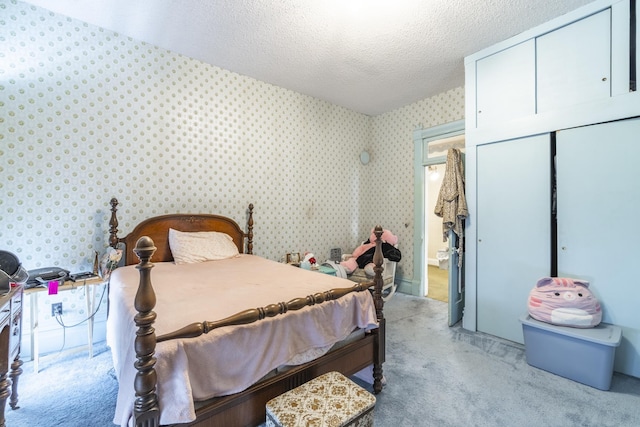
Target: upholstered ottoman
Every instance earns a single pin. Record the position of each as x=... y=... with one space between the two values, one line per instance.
x=330 y=400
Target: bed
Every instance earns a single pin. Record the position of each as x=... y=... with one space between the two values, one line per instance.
x=167 y=358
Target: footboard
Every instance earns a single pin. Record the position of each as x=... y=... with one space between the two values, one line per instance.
x=247 y=407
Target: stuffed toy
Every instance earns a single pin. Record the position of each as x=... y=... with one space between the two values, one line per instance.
x=565 y=302
x=362 y=256
x=309 y=261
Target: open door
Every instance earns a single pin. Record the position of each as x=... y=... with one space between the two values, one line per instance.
x=456 y=281
x=452 y=208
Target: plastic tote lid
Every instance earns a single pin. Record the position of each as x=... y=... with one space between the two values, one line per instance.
x=604 y=334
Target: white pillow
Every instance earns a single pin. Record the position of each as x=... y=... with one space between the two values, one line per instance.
x=191 y=247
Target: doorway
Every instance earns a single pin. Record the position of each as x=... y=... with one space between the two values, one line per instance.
x=437 y=256
x=430 y=154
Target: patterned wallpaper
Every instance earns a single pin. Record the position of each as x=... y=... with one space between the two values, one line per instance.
x=87 y=114
x=390 y=196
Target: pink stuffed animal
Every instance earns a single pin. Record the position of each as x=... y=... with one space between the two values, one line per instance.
x=565 y=302
x=351 y=264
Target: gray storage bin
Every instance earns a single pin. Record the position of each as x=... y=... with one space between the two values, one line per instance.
x=582 y=355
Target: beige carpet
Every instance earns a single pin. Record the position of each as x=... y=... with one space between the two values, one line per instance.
x=438 y=284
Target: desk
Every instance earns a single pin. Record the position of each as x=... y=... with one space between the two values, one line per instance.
x=90 y=285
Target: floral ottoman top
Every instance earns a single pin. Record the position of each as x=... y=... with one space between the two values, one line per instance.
x=330 y=400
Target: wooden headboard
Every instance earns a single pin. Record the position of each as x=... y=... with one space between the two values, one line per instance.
x=157 y=228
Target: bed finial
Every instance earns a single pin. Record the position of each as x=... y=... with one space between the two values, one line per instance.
x=113 y=224
x=250 y=230
x=146 y=410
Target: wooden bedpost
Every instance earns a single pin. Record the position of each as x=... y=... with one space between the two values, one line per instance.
x=146 y=410
x=379 y=357
x=250 y=230
x=113 y=224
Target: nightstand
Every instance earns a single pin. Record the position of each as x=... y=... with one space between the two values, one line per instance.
x=91 y=287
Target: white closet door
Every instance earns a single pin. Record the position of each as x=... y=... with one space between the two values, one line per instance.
x=514 y=225
x=598 y=225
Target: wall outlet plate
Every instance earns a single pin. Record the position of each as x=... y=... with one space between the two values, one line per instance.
x=56 y=309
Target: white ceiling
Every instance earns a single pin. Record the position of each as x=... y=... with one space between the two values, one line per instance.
x=371 y=56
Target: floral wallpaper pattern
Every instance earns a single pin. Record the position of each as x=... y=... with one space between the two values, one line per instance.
x=87 y=114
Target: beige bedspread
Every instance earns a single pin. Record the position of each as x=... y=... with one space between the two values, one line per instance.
x=226 y=360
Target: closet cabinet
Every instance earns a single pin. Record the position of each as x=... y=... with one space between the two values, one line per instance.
x=565 y=67
x=597 y=196
x=555 y=107
x=514 y=194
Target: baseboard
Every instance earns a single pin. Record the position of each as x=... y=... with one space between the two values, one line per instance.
x=408 y=286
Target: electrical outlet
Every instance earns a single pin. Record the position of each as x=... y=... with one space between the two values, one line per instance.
x=56 y=309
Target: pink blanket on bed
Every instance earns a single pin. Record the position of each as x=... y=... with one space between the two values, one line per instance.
x=226 y=360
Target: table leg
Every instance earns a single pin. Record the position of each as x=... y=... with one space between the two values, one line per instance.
x=35 y=342
x=90 y=292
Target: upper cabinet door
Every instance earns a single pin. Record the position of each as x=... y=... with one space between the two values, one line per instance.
x=506 y=85
x=574 y=63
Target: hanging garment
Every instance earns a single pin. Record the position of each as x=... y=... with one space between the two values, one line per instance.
x=452 y=204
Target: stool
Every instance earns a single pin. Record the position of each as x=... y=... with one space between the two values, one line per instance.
x=330 y=400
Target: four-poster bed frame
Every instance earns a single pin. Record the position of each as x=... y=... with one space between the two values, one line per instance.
x=247 y=408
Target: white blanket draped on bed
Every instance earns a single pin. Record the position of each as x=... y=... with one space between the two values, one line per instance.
x=230 y=359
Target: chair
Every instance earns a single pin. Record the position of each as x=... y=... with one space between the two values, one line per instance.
x=388 y=277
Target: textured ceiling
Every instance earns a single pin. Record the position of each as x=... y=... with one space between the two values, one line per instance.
x=371 y=56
